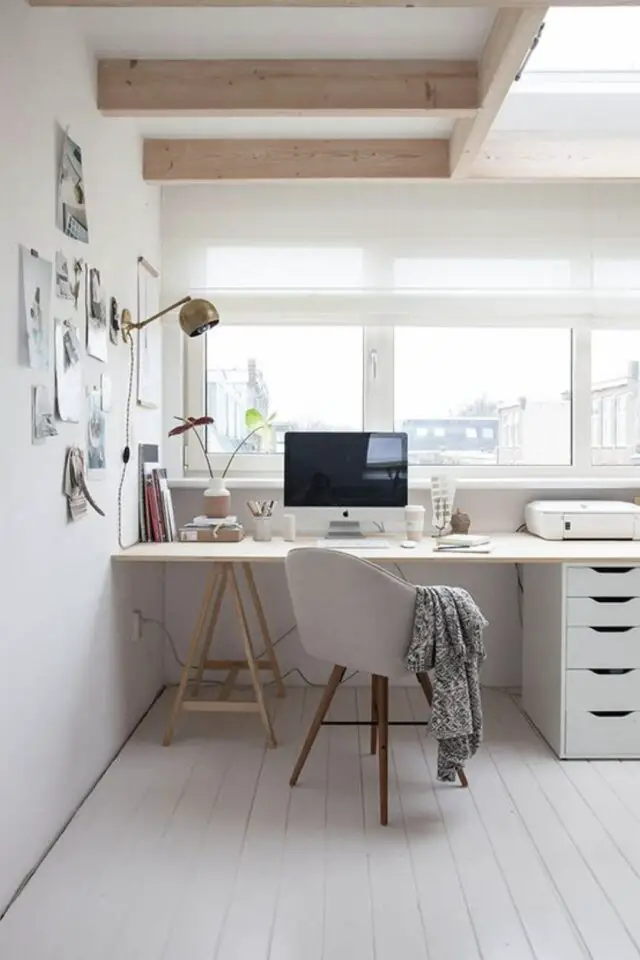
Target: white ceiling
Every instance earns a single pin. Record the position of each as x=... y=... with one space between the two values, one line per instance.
x=287 y=33
x=552 y=96
x=292 y=128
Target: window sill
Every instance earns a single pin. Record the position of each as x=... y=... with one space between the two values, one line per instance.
x=463 y=483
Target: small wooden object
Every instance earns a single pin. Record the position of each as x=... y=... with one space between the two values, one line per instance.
x=460 y=522
x=210 y=535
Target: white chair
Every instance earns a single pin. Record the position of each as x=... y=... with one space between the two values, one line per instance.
x=358 y=617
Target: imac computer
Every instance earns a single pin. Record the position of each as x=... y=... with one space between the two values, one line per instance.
x=336 y=481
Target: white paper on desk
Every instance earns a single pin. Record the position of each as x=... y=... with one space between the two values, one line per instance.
x=460 y=551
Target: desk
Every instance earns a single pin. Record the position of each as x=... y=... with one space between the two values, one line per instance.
x=581 y=630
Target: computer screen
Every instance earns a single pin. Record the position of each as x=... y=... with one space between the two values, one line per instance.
x=345 y=470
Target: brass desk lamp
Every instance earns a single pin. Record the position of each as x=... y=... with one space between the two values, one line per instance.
x=196 y=317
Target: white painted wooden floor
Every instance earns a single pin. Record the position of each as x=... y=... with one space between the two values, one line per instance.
x=202 y=852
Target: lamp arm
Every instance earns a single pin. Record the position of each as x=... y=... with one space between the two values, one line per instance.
x=128 y=327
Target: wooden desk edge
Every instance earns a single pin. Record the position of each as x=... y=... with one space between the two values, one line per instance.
x=508 y=548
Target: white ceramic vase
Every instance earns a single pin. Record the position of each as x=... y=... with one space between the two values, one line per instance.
x=217 y=499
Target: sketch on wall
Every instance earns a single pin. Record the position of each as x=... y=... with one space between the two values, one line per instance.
x=97 y=322
x=68 y=371
x=150 y=338
x=42 y=415
x=96 y=434
x=63 y=279
x=72 y=210
x=37 y=278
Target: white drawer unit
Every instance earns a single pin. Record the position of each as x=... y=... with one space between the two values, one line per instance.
x=603 y=735
x=581 y=658
x=596 y=647
x=609 y=689
x=603 y=581
x=603 y=611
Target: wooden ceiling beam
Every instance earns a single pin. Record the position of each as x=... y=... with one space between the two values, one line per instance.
x=188 y=161
x=531 y=158
x=508 y=43
x=427 y=88
x=316 y=3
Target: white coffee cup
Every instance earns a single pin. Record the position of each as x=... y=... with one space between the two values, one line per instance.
x=414 y=521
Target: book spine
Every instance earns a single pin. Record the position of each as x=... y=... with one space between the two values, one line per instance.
x=162 y=521
x=153 y=510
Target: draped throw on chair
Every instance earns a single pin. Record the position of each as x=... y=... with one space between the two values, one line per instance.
x=447 y=637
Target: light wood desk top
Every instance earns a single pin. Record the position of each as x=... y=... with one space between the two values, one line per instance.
x=507 y=548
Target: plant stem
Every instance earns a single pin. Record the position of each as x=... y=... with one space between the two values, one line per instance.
x=242 y=442
x=204 y=450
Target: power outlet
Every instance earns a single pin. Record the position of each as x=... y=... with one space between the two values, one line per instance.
x=136 y=627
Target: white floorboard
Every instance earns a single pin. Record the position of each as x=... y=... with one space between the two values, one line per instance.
x=202 y=851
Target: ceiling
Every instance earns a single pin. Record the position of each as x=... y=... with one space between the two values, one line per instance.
x=580 y=82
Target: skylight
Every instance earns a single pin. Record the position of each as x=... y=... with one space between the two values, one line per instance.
x=588 y=40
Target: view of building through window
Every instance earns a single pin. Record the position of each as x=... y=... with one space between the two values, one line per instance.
x=465 y=396
x=309 y=377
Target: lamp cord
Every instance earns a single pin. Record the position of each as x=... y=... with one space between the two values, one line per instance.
x=126 y=453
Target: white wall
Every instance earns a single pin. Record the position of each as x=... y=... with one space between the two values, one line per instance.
x=72 y=685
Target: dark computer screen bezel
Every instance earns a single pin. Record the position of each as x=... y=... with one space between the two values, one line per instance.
x=327 y=436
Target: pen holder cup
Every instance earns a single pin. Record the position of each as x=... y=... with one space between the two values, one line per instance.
x=263 y=530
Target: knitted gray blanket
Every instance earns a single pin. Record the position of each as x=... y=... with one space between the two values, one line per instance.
x=447 y=637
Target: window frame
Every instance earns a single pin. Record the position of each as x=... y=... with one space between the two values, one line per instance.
x=378 y=382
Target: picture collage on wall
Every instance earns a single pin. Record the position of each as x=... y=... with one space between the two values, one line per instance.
x=55 y=340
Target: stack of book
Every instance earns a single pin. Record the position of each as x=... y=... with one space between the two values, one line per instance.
x=157 y=519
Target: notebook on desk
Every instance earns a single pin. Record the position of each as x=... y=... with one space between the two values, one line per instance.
x=463 y=543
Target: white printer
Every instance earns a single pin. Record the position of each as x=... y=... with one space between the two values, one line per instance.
x=583 y=519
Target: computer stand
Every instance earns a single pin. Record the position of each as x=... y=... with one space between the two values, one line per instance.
x=344 y=530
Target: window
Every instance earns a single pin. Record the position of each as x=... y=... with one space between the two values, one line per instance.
x=464 y=382
x=615 y=388
x=309 y=377
x=489 y=349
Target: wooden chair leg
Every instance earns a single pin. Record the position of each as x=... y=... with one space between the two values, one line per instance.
x=374 y=714
x=382 y=702
x=329 y=691
x=425 y=683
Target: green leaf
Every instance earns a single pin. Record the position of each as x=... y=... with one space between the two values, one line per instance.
x=254 y=419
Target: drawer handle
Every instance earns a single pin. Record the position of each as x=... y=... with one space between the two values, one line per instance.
x=611 y=713
x=612 y=599
x=611 y=629
x=612 y=569
x=611 y=671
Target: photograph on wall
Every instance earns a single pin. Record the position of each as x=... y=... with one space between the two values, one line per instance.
x=96 y=434
x=97 y=323
x=37 y=276
x=114 y=321
x=42 y=415
x=68 y=371
x=64 y=288
x=72 y=211
x=149 y=391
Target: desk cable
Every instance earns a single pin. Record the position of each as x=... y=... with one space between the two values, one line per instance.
x=283 y=636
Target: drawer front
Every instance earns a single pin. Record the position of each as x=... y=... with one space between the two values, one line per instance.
x=603 y=612
x=589 y=647
x=598 y=690
x=592 y=736
x=603 y=581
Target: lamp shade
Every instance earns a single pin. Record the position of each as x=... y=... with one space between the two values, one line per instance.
x=198 y=316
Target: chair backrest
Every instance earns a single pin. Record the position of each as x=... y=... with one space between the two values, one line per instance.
x=349 y=611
